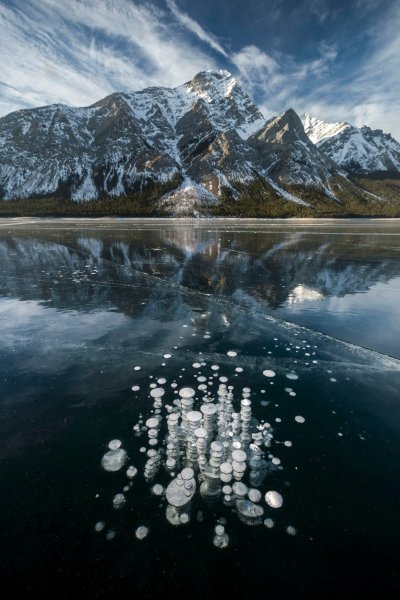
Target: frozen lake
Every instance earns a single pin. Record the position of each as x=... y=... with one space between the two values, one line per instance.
x=96 y=315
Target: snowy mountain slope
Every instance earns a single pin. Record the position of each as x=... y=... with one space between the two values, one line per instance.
x=318 y=130
x=288 y=155
x=356 y=149
x=120 y=142
x=206 y=134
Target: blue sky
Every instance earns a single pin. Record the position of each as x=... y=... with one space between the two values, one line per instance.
x=338 y=60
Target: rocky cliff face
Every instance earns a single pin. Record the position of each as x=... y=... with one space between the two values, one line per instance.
x=207 y=134
x=355 y=149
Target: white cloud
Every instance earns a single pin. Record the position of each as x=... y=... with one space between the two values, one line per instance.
x=195 y=27
x=48 y=55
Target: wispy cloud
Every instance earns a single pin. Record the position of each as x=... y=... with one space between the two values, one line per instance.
x=195 y=27
x=78 y=52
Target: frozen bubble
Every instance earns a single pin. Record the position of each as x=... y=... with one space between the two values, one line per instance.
x=248 y=508
x=291 y=530
x=200 y=432
x=196 y=365
x=288 y=443
x=152 y=423
x=184 y=518
x=194 y=416
x=221 y=541
x=186 y=392
x=118 y=500
x=135 y=388
x=99 y=526
x=110 y=535
x=269 y=373
x=239 y=370
x=273 y=499
x=157 y=489
x=187 y=474
x=137 y=368
x=292 y=376
x=141 y=532
x=226 y=468
x=201 y=378
x=276 y=461
x=231 y=353
x=239 y=455
x=239 y=489
x=223 y=379
x=333 y=380
x=167 y=356
x=219 y=529
x=215 y=367
x=292 y=393
x=299 y=419
x=115 y=444
x=254 y=495
x=157 y=392
x=227 y=489
x=114 y=460
x=268 y=523
x=161 y=381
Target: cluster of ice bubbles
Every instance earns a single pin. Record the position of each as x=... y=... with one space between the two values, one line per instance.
x=211 y=448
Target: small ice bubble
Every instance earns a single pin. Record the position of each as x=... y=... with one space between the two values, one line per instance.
x=299 y=419
x=135 y=388
x=110 y=535
x=292 y=393
x=137 y=368
x=113 y=460
x=254 y=495
x=276 y=461
x=115 y=444
x=184 y=518
x=118 y=500
x=161 y=381
x=215 y=367
x=186 y=392
x=167 y=355
x=219 y=529
x=157 y=392
x=273 y=499
x=196 y=365
x=268 y=523
x=292 y=376
x=239 y=370
x=141 y=532
x=231 y=353
x=288 y=443
x=99 y=526
x=157 y=489
x=269 y=373
x=290 y=530
x=333 y=380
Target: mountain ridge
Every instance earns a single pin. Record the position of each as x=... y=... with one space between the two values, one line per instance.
x=205 y=140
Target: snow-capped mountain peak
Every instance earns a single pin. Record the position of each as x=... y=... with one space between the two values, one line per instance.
x=318 y=130
x=355 y=149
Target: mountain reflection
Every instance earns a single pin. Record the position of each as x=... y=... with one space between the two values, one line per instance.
x=71 y=268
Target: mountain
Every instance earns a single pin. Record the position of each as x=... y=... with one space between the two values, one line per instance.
x=355 y=149
x=181 y=150
x=122 y=141
x=287 y=153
